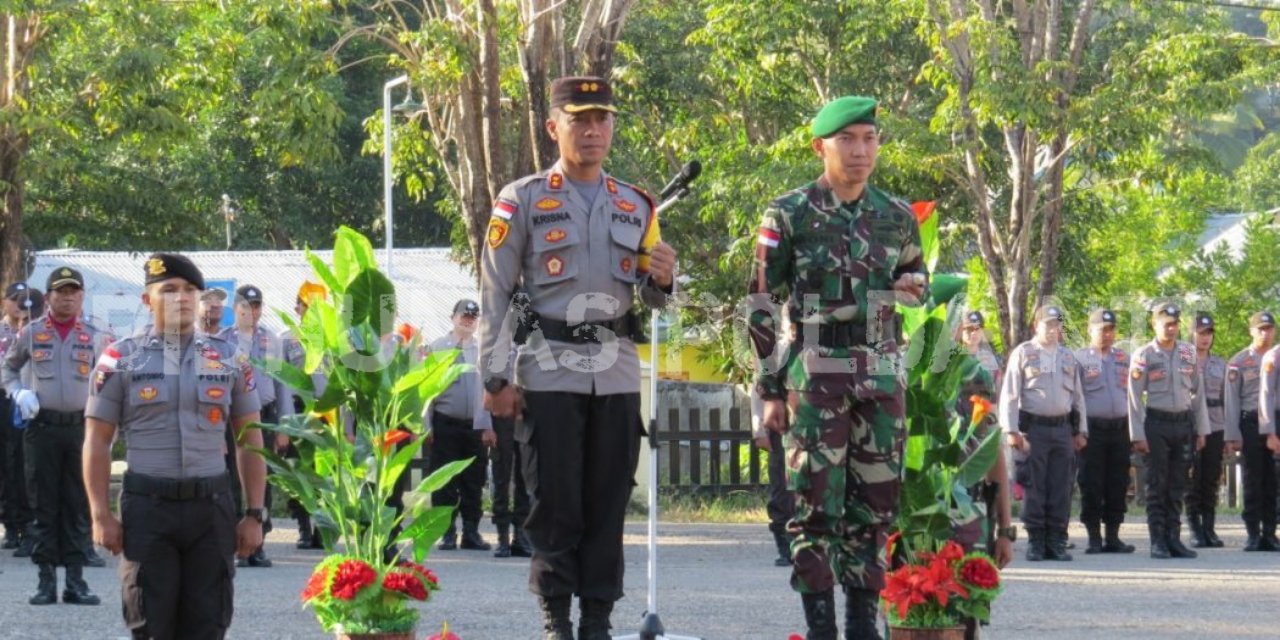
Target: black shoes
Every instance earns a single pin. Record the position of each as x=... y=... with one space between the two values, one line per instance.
x=47 y=588
x=256 y=559
x=77 y=591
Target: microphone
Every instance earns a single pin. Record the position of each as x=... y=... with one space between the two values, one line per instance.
x=687 y=174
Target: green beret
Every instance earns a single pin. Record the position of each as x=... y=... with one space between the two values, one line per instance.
x=842 y=112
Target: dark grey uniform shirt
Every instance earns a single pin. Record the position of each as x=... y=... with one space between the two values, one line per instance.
x=1268 y=394
x=260 y=346
x=173 y=405
x=1105 y=378
x=60 y=367
x=1244 y=388
x=1041 y=380
x=1214 y=370
x=1168 y=381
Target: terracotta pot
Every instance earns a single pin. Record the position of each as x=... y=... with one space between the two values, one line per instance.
x=399 y=635
x=912 y=633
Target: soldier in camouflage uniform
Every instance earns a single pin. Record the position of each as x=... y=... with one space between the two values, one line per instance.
x=839 y=252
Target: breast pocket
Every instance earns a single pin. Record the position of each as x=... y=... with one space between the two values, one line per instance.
x=1093 y=380
x=1157 y=377
x=555 y=252
x=81 y=363
x=885 y=252
x=214 y=404
x=42 y=363
x=1069 y=377
x=148 y=400
x=625 y=249
x=820 y=263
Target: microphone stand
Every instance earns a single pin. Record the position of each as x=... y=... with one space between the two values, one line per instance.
x=651 y=625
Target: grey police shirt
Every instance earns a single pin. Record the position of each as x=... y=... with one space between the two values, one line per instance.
x=1214 y=371
x=1267 y=398
x=463 y=400
x=1041 y=379
x=260 y=346
x=1105 y=379
x=60 y=367
x=1244 y=388
x=1168 y=381
x=172 y=405
x=579 y=263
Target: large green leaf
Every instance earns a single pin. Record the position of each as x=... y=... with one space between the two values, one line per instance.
x=336 y=288
x=372 y=300
x=978 y=463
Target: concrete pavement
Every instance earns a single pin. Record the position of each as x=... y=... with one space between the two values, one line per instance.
x=718 y=582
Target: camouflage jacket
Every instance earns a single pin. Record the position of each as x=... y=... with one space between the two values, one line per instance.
x=827 y=260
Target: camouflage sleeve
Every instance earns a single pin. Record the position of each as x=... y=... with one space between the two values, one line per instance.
x=17 y=356
x=1267 y=393
x=1231 y=402
x=770 y=285
x=501 y=267
x=1137 y=397
x=911 y=257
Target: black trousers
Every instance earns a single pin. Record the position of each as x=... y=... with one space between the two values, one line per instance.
x=1206 y=472
x=15 y=503
x=782 y=502
x=510 y=497
x=1104 y=472
x=1259 y=475
x=53 y=455
x=580 y=455
x=1047 y=504
x=1172 y=446
x=178 y=565
x=452 y=440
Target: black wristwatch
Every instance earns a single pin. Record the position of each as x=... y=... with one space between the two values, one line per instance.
x=494 y=385
x=258 y=514
x=1008 y=532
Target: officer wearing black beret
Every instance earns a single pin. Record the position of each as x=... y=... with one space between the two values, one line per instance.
x=172 y=393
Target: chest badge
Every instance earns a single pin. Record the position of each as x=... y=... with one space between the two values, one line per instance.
x=215 y=415
x=498 y=229
x=548 y=204
x=43 y=337
x=215 y=393
x=626 y=265
x=555 y=235
x=83 y=369
x=85 y=338
x=555 y=266
x=629 y=207
x=148 y=393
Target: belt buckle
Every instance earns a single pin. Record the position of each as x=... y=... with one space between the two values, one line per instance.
x=586 y=332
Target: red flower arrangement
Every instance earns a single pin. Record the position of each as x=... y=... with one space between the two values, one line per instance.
x=937 y=590
x=352 y=593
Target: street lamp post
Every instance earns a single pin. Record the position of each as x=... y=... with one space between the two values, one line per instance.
x=388 y=214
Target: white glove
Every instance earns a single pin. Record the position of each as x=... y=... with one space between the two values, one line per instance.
x=28 y=403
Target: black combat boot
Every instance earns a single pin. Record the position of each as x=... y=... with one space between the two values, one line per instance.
x=1095 y=538
x=305 y=534
x=1035 y=545
x=504 y=542
x=593 y=621
x=1269 y=541
x=26 y=547
x=1176 y=548
x=77 y=591
x=92 y=559
x=471 y=538
x=449 y=541
x=861 y=611
x=259 y=558
x=783 y=543
x=1197 y=531
x=520 y=545
x=820 y=615
x=556 y=623
x=47 y=588
x=1114 y=544
x=1159 y=543
x=1254 y=542
x=1210 y=534
x=1055 y=547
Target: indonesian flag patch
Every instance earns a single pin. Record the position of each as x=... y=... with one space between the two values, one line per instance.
x=768 y=237
x=505 y=209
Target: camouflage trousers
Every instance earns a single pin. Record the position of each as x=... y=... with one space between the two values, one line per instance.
x=844 y=456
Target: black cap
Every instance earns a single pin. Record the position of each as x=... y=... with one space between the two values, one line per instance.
x=974 y=319
x=62 y=277
x=1261 y=319
x=1204 y=322
x=166 y=266
x=1103 y=316
x=466 y=307
x=14 y=290
x=248 y=293
x=583 y=93
x=31 y=301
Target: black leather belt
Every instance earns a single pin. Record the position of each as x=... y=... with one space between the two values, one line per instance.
x=1101 y=424
x=60 y=418
x=627 y=326
x=1169 y=416
x=1214 y=403
x=440 y=418
x=1026 y=418
x=172 y=489
x=831 y=335
x=1249 y=416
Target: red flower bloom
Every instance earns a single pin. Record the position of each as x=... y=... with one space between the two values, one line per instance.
x=315 y=585
x=979 y=572
x=940 y=578
x=350 y=577
x=426 y=573
x=906 y=588
x=406 y=583
x=951 y=552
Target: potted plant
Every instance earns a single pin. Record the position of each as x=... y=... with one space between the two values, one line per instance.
x=930 y=596
x=355 y=441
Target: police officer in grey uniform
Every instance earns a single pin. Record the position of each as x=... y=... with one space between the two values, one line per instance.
x=1206 y=468
x=455 y=420
x=1247 y=378
x=21 y=304
x=1042 y=410
x=296 y=355
x=172 y=393
x=1168 y=421
x=254 y=343
x=61 y=349
x=582 y=243
x=1104 y=469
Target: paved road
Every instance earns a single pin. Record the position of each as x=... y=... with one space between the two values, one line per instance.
x=718 y=582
